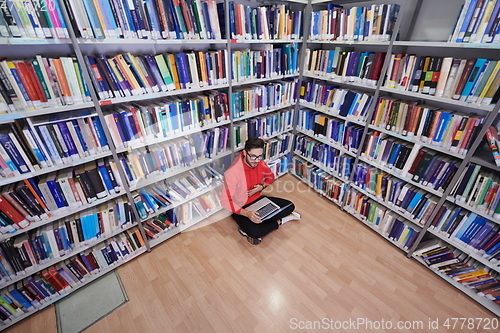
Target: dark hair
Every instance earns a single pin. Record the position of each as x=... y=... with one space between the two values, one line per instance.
x=254 y=143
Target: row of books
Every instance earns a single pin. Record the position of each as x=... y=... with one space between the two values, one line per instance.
x=173 y=19
x=25 y=252
x=334 y=100
x=330 y=159
x=25 y=148
x=127 y=75
x=345 y=65
x=275 y=147
x=463 y=269
x=318 y=124
x=57 y=193
x=43 y=287
x=183 y=214
x=387 y=223
x=370 y=23
x=479 y=189
x=163 y=194
x=33 y=19
x=319 y=180
x=250 y=99
x=41 y=83
x=410 y=201
x=272 y=62
x=264 y=22
x=468 y=80
x=478 y=22
x=321 y=125
x=452 y=130
x=267 y=126
x=475 y=233
x=420 y=164
x=442 y=128
x=144 y=123
x=159 y=160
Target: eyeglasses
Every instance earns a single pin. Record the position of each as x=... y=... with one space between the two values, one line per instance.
x=254 y=157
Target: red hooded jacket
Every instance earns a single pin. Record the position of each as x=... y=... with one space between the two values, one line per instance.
x=239 y=179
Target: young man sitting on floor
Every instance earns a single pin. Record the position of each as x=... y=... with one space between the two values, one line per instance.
x=243 y=184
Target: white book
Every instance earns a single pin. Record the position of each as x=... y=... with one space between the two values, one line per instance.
x=62 y=180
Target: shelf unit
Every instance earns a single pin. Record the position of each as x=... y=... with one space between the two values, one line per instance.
x=422 y=30
x=28 y=47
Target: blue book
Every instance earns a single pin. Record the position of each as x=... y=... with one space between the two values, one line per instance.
x=56 y=191
x=444 y=121
x=14 y=154
x=453 y=217
x=63 y=238
x=79 y=134
x=481 y=234
x=471 y=219
x=153 y=17
x=176 y=22
x=100 y=132
x=68 y=139
x=151 y=200
x=93 y=18
x=475 y=226
x=413 y=203
x=493 y=249
x=85 y=262
x=394 y=154
x=106 y=179
x=467 y=18
x=16 y=295
x=359 y=31
x=84 y=221
x=141 y=208
x=478 y=68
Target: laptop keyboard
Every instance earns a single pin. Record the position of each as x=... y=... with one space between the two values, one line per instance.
x=267 y=209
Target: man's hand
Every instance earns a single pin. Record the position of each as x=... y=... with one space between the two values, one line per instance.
x=257 y=188
x=253 y=216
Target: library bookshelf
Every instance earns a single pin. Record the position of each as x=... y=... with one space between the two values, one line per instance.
x=357 y=66
x=123 y=116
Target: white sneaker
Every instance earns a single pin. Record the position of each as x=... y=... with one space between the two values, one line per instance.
x=291 y=217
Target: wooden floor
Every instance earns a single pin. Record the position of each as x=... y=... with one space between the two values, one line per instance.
x=327 y=265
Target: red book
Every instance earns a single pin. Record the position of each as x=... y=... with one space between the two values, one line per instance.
x=463 y=78
x=377 y=66
x=92 y=262
x=204 y=204
x=32 y=290
x=185 y=13
x=58 y=277
x=136 y=121
x=416 y=162
x=35 y=80
x=12 y=213
x=26 y=81
x=79 y=266
x=53 y=281
x=468 y=131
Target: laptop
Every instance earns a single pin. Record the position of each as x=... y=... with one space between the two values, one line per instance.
x=266 y=208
